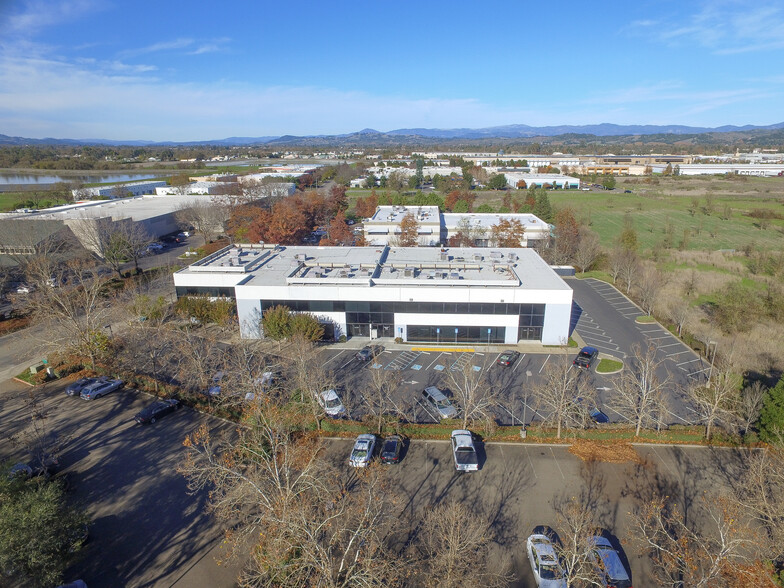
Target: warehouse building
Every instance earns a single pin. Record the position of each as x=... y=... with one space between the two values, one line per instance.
x=454 y=295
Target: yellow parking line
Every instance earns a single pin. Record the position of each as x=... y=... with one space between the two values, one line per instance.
x=459 y=349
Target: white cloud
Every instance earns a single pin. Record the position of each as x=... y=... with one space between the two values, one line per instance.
x=40 y=14
x=157 y=47
x=724 y=28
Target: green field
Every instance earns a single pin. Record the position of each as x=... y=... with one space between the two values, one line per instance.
x=664 y=212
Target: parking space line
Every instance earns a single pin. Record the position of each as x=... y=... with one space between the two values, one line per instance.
x=672 y=471
x=519 y=362
x=545 y=363
x=556 y=463
x=670 y=345
x=686 y=362
x=435 y=360
x=528 y=455
x=679 y=353
x=339 y=353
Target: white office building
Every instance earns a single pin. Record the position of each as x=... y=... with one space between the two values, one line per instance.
x=428 y=295
x=436 y=228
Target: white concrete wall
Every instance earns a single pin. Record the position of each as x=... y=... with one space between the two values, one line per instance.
x=556 y=324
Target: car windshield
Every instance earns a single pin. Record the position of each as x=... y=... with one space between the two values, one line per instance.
x=549 y=572
x=585 y=354
x=360 y=453
x=332 y=402
x=442 y=403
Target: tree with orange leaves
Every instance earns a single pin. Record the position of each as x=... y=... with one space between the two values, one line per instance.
x=338 y=232
x=507 y=233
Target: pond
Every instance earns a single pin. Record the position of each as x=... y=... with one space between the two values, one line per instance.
x=7 y=178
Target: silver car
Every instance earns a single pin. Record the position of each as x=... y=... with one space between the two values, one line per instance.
x=545 y=566
x=611 y=571
x=436 y=399
x=101 y=388
x=75 y=388
x=362 y=452
x=331 y=403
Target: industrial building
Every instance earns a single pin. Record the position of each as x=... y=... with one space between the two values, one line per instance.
x=453 y=295
x=436 y=228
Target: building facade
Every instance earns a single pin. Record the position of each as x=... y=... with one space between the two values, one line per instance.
x=429 y=295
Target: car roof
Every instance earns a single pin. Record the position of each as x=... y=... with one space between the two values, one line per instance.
x=329 y=394
x=366 y=437
x=544 y=549
x=610 y=558
x=435 y=392
x=588 y=350
x=461 y=435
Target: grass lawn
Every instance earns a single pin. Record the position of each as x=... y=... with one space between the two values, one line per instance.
x=607 y=366
x=664 y=214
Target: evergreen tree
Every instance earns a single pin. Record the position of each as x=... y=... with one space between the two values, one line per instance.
x=543 y=209
x=771 y=422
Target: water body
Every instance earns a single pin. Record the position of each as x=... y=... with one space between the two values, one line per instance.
x=7 y=178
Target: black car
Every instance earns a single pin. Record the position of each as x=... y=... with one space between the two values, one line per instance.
x=586 y=358
x=156 y=410
x=391 y=448
x=508 y=358
x=369 y=352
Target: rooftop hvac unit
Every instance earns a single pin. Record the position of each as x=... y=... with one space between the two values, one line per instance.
x=364 y=272
x=477 y=257
x=444 y=256
x=318 y=271
x=513 y=257
x=454 y=276
x=342 y=273
x=495 y=255
x=409 y=272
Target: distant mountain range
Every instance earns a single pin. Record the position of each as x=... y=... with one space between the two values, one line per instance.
x=420 y=135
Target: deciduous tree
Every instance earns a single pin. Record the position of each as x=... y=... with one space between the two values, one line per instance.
x=640 y=395
x=561 y=395
x=409 y=231
x=507 y=233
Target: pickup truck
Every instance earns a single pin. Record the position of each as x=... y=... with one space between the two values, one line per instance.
x=464 y=451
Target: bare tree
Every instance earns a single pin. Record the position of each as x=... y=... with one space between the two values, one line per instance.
x=472 y=391
x=208 y=217
x=717 y=401
x=751 y=398
x=199 y=358
x=452 y=549
x=562 y=394
x=624 y=266
x=588 y=250
x=379 y=401
x=761 y=494
x=149 y=339
x=310 y=380
x=75 y=313
x=684 y=556
x=577 y=521
x=649 y=286
x=679 y=312
x=286 y=505
x=640 y=395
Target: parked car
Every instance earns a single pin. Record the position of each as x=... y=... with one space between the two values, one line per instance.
x=331 y=403
x=464 y=451
x=586 y=358
x=547 y=570
x=611 y=570
x=262 y=384
x=215 y=386
x=24 y=289
x=75 y=388
x=100 y=388
x=150 y=414
x=391 y=449
x=362 y=452
x=369 y=352
x=508 y=358
x=440 y=402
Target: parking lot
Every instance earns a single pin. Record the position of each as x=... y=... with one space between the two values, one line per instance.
x=419 y=367
x=522 y=486
x=146 y=529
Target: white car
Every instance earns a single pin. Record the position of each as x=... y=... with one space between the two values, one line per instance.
x=331 y=403
x=215 y=387
x=464 y=452
x=100 y=388
x=362 y=452
x=545 y=566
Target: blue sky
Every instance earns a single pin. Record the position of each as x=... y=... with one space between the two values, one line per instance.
x=124 y=70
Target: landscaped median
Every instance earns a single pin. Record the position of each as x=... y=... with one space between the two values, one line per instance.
x=677 y=434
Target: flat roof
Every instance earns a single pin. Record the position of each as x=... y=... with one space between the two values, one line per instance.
x=136 y=208
x=487 y=219
x=312 y=266
x=395 y=214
